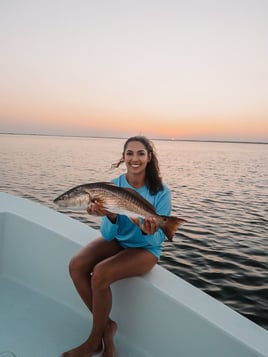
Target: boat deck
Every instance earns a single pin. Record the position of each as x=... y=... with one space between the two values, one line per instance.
x=35 y=325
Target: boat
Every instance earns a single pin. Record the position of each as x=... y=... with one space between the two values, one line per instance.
x=158 y=315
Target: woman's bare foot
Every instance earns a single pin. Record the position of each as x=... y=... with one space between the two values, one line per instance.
x=84 y=350
x=108 y=340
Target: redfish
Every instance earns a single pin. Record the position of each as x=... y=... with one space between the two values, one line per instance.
x=118 y=200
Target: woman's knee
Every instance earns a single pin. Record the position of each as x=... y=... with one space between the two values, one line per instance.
x=78 y=266
x=100 y=277
x=73 y=266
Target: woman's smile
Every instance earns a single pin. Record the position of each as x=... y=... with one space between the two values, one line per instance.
x=135 y=165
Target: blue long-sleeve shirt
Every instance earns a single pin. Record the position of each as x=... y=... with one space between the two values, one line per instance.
x=128 y=234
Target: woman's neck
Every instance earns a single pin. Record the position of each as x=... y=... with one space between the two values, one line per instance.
x=136 y=181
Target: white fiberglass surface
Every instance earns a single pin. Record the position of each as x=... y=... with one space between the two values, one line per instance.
x=35 y=325
x=40 y=311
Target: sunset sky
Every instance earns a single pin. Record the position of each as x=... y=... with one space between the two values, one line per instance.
x=183 y=69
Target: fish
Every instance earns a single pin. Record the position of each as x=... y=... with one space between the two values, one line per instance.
x=118 y=200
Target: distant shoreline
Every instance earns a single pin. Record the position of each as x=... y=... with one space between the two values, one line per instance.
x=125 y=137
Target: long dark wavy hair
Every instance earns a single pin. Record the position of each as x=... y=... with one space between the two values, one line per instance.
x=152 y=178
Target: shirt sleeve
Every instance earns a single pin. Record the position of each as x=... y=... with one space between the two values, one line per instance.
x=108 y=229
x=163 y=207
x=163 y=202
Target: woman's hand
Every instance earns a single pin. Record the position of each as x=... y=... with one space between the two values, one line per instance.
x=97 y=209
x=149 y=225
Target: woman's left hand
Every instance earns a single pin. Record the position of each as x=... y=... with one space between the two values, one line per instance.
x=149 y=225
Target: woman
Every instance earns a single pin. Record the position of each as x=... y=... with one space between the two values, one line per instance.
x=124 y=250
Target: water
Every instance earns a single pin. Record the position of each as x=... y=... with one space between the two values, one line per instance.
x=220 y=188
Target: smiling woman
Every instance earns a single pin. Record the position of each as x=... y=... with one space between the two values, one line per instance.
x=125 y=249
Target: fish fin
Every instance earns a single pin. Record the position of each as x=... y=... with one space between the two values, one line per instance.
x=135 y=221
x=170 y=225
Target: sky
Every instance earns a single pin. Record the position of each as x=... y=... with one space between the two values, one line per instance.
x=173 y=69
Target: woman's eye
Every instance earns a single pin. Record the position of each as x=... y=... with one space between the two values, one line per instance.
x=140 y=153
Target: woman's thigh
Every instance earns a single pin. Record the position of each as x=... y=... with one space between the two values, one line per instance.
x=126 y=263
x=94 y=252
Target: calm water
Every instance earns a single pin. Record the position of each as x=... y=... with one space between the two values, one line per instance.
x=220 y=188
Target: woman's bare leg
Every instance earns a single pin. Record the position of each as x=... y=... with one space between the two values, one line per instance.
x=81 y=267
x=127 y=263
x=109 y=263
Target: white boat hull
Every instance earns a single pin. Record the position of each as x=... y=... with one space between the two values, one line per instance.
x=158 y=315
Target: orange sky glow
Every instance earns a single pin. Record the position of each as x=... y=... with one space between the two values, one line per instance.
x=187 y=70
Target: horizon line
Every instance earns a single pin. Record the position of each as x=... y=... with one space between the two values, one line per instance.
x=125 y=137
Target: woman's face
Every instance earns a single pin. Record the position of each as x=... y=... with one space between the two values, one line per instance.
x=136 y=157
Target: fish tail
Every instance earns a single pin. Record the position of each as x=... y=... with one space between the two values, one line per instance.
x=170 y=225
